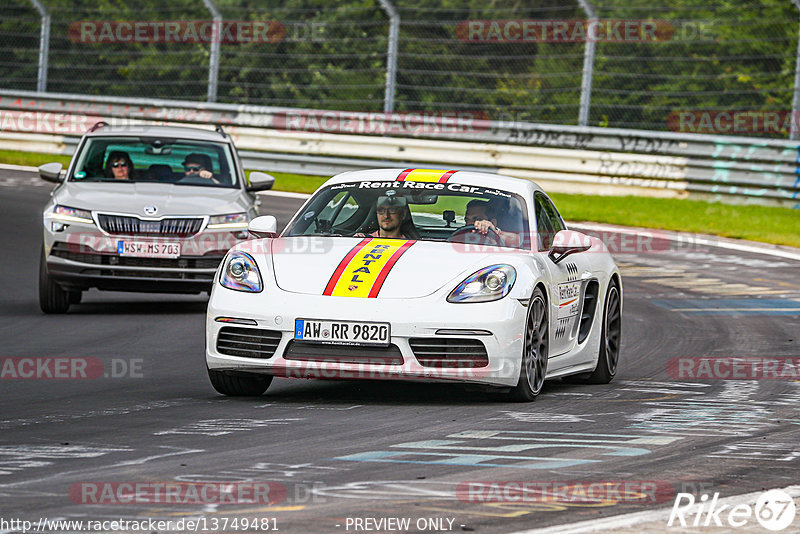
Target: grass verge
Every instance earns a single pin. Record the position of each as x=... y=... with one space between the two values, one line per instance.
x=31 y=159
x=779 y=226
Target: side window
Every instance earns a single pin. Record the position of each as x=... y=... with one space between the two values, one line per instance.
x=338 y=211
x=347 y=210
x=552 y=212
x=545 y=226
x=334 y=208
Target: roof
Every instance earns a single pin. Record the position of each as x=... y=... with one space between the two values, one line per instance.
x=483 y=179
x=181 y=132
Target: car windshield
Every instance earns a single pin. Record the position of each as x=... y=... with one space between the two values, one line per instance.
x=429 y=212
x=155 y=159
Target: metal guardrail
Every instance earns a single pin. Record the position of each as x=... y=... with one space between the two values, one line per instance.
x=561 y=158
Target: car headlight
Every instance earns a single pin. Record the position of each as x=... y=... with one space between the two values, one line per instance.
x=240 y=272
x=71 y=215
x=232 y=221
x=490 y=283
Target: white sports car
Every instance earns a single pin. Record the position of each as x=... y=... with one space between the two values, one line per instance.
x=416 y=274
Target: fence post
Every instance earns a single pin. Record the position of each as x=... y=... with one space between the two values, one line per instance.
x=588 y=64
x=44 y=47
x=391 y=55
x=213 y=58
x=794 y=131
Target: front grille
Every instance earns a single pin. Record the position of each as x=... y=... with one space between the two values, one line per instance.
x=449 y=352
x=248 y=342
x=317 y=352
x=79 y=253
x=177 y=227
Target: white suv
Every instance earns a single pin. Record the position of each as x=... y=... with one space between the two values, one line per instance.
x=150 y=208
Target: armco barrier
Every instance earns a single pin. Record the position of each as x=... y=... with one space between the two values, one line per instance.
x=560 y=158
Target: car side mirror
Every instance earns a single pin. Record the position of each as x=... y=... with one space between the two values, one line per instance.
x=260 y=181
x=568 y=242
x=51 y=172
x=264 y=226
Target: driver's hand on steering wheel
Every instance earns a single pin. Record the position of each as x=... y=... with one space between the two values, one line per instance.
x=483 y=226
x=208 y=175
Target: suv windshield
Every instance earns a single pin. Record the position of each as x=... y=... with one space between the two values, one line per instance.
x=151 y=159
x=424 y=211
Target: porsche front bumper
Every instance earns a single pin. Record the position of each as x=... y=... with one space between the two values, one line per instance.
x=264 y=323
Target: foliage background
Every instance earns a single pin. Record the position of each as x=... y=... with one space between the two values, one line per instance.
x=723 y=55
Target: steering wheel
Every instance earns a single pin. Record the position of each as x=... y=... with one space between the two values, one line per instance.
x=491 y=237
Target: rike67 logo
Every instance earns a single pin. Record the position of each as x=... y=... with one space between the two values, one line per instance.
x=774 y=510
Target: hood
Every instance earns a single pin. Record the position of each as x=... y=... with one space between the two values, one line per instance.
x=369 y=267
x=169 y=199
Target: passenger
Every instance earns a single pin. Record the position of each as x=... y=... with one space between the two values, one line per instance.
x=479 y=214
x=119 y=166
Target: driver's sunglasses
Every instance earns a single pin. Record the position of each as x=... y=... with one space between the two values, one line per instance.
x=392 y=211
x=119 y=164
x=193 y=168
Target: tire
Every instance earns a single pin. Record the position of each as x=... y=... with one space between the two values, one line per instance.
x=239 y=385
x=52 y=297
x=535 y=351
x=608 y=357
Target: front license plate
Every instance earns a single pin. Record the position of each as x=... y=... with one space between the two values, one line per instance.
x=342 y=332
x=148 y=249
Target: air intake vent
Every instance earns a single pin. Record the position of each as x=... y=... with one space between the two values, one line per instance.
x=317 y=352
x=248 y=342
x=587 y=313
x=449 y=352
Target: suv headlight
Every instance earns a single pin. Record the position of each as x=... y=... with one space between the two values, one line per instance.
x=490 y=283
x=232 y=221
x=71 y=215
x=240 y=273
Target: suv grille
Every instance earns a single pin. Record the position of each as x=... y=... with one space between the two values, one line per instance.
x=449 y=352
x=119 y=224
x=248 y=342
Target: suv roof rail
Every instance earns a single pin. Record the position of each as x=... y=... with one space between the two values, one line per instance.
x=220 y=131
x=98 y=125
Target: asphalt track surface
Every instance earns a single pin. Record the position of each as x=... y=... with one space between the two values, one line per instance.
x=344 y=451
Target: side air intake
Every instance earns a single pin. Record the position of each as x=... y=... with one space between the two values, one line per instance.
x=588 y=311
